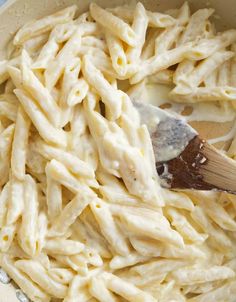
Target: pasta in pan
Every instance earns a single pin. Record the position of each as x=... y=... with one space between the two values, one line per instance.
x=83 y=216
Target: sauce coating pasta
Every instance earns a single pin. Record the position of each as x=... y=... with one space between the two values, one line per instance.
x=83 y=216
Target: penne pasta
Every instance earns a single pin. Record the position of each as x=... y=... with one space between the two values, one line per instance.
x=224 y=74
x=178 y=200
x=117 y=53
x=20 y=144
x=16 y=200
x=119 y=262
x=159 y=266
x=183 y=14
x=43 y=25
x=41 y=95
x=61 y=275
x=207 y=66
x=95 y=42
x=8 y=110
x=149 y=45
x=56 y=67
x=140 y=25
x=98 y=290
x=45 y=128
x=54 y=197
x=183 y=70
x=78 y=290
x=60 y=173
x=34 y=45
x=109 y=228
x=116 y=25
x=63 y=247
x=193 y=275
x=225 y=291
x=27 y=232
x=125 y=289
x=6 y=138
x=217 y=212
x=33 y=291
x=78 y=93
x=161 y=62
x=39 y=275
x=4 y=65
x=83 y=214
x=165 y=40
x=110 y=96
x=155 y=19
x=7 y=234
x=41 y=231
x=196 y=24
x=73 y=163
x=47 y=53
x=183 y=226
x=4 y=198
x=148 y=225
x=71 y=212
x=201 y=94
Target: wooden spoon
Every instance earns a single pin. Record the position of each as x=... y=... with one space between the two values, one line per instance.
x=183 y=159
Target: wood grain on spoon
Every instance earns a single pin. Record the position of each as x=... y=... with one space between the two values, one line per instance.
x=200 y=166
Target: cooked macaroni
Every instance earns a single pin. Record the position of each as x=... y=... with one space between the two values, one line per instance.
x=83 y=216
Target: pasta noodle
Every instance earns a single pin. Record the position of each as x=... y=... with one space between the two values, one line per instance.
x=83 y=215
x=19 y=144
x=116 y=25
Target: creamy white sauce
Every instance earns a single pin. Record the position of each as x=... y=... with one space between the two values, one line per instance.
x=158 y=94
x=230 y=135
